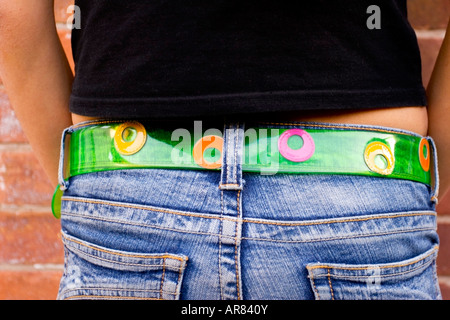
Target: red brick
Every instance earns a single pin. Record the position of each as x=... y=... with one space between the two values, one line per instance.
x=443 y=260
x=430 y=44
x=443 y=207
x=444 y=283
x=10 y=129
x=22 y=179
x=429 y=14
x=30 y=238
x=29 y=285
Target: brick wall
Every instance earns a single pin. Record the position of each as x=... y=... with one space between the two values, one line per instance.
x=429 y=18
x=31 y=254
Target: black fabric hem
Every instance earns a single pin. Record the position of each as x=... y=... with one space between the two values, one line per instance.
x=248 y=103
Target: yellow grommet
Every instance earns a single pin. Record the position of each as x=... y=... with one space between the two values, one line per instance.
x=375 y=149
x=424 y=159
x=204 y=143
x=136 y=140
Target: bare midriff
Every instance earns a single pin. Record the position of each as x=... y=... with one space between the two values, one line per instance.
x=412 y=118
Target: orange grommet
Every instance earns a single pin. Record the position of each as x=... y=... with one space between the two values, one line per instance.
x=424 y=158
x=375 y=149
x=130 y=137
x=204 y=143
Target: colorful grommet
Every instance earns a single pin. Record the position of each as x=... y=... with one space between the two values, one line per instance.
x=424 y=154
x=299 y=155
x=204 y=143
x=375 y=149
x=130 y=137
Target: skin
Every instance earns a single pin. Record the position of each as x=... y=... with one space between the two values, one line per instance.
x=37 y=77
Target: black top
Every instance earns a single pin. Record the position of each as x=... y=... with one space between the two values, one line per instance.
x=169 y=58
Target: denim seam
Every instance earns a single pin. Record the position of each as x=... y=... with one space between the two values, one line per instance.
x=313 y=281
x=236 y=255
x=339 y=238
x=109 y=297
x=349 y=277
x=74 y=250
x=330 y=285
x=130 y=206
x=179 y=282
x=123 y=254
x=326 y=221
x=162 y=279
x=257 y=239
x=325 y=266
x=118 y=289
x=99 y=202
x=145 y=225
x=220 y=245
x=343 y=220
x=249 y=238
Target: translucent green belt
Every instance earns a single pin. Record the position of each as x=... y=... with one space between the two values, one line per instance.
x=268 y=149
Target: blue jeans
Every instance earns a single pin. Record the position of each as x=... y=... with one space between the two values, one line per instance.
x=192 y=234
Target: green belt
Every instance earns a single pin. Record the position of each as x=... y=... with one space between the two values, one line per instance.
x=268 y=149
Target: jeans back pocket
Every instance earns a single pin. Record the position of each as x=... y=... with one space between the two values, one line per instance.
x=405 y=280
x=94 y=272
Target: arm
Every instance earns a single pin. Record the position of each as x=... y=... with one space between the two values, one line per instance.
x=36 y=75
x=439 y=111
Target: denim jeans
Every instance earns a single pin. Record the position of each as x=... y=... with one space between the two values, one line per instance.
x=228 y=234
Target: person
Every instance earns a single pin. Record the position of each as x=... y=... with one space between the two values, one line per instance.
x=235 y=150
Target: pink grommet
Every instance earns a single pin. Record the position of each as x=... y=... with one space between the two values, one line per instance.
x=300 y=155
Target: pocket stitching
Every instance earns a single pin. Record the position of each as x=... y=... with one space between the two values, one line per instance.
x=75 y=250
x=115 y=297
x=387 y=266
x=423 y=266
x=329 y=283
x=165 y=256
x=179 y=268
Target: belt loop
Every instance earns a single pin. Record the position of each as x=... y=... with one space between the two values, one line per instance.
x=62 y=182
x=435 y=172
x=232 y=154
